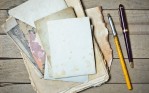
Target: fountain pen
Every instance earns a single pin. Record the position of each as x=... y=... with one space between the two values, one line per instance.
x=124 y=26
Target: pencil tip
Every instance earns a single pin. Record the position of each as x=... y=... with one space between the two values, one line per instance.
x=131 y=64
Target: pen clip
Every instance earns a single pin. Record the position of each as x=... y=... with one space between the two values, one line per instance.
x=122 y=15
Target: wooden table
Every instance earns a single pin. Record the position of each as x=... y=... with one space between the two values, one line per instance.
x=13 y=74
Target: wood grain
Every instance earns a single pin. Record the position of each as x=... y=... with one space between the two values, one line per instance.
x=138 y=21
x=8 y=4
x=114 y=4
x=17 y=88
x=139 y=74
x=13 y=71
x=139 y=49
x=139 y=45
x=108 y=4
x=3 y=17
x=107 y=88
x=138 y=25
x=8 y=48
x=121 y=88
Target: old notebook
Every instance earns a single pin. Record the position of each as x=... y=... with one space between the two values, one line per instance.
x=42 y=30
x=33 y=10
x=44 y=86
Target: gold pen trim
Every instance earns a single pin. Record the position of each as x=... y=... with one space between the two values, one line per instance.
x=125 y=30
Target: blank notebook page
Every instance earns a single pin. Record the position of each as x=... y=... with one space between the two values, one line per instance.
x=71 y=47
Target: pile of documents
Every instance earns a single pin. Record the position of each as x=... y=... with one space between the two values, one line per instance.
x=63 y=51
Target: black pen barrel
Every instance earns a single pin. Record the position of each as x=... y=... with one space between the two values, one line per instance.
x=128 y=46
x=122 y=14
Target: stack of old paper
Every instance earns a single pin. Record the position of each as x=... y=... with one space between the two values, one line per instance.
x=63 y=52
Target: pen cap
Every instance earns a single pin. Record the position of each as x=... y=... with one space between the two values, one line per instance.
x=112 y=24
x=123 y=17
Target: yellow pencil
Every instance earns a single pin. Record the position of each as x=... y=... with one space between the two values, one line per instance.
x=122 y=61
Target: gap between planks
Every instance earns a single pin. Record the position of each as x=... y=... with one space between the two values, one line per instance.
x=108 y=4
x=14 y=71
x=106 y=88
x=138 y=21
x=11 y=58
x=139 y=49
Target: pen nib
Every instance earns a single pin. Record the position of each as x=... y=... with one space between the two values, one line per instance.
x=131 y=64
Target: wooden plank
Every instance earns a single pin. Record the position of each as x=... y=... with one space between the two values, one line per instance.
x=13 y=71
x=8 y=4
x=133 y=16
x=138 y=21
x=139 y=45
x=3 y=17
x=8 y=48
x=106 y=88
x=134 y=29
x=17 y=88
x=121 y=88
x=139 y=49
x=114 y=4
x=108 y=4
x=139 y=74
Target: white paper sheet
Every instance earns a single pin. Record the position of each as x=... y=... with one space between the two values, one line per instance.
x=33 y=10
x=48 y=76
x=71 y=47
